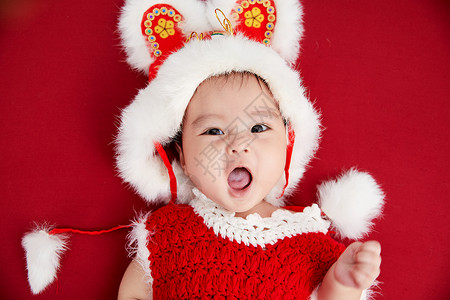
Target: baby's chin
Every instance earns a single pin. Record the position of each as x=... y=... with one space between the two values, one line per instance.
x=240 y=205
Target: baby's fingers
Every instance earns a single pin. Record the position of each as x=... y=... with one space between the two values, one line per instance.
x=368 y=253
x=364 y=275
x=367 y=264
x=359 y=264
x=370 y=246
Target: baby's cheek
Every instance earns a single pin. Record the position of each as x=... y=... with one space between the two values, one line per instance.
x=205 y=170
x=277 y=154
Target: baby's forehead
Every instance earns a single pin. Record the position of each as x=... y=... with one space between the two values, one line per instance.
x=235 y=79
x=233 y=94
x=235 y=82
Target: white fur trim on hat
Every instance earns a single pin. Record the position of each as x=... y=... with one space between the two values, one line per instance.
x=43 y=252
x=351 y=202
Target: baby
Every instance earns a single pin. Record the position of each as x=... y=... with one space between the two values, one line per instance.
x=226 y=95
x=236 y=115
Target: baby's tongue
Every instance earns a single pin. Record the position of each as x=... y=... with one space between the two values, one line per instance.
x=239 y=178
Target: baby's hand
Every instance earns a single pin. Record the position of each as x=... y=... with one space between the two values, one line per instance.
x=359 y=265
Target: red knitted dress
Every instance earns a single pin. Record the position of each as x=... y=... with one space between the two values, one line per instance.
x=202 y=251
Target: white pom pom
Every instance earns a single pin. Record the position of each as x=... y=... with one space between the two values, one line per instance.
x=43 y=252
x=351 y=202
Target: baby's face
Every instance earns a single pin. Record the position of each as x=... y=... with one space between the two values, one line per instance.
x=234 y=141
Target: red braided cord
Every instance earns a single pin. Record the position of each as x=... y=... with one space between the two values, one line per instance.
x=173 y=191
x=290 y=146
x=87 y=232
x=173 y=179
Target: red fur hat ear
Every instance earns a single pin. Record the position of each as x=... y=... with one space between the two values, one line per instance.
x=151 y=29
x=160 y=27
x=276 y=23
x=255 y=19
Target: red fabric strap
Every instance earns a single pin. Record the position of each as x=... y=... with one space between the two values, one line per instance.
x=173 y=179
x=294 y=208
x=290 y=146
x=87 y=232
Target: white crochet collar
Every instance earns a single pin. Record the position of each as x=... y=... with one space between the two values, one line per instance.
x=255 y=230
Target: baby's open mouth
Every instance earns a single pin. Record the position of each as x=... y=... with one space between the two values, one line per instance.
x=239 y=179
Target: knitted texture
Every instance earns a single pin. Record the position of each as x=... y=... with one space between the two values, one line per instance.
x=255 y=230
x=189 y=261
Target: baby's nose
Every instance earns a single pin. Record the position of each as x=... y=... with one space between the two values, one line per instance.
x=239 y=143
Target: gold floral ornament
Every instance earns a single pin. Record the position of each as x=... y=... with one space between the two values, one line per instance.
x=165 y=28
x=254 y=18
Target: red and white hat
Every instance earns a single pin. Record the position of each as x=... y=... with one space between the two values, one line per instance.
x=180 y=43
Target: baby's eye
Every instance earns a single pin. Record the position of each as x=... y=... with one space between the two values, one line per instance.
x=259 y=128
x=213 y=131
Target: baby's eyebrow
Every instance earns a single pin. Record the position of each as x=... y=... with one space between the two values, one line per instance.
x=267 y=112
x=204 y=118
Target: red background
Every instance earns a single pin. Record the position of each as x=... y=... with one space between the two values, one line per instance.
x=378 y=70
